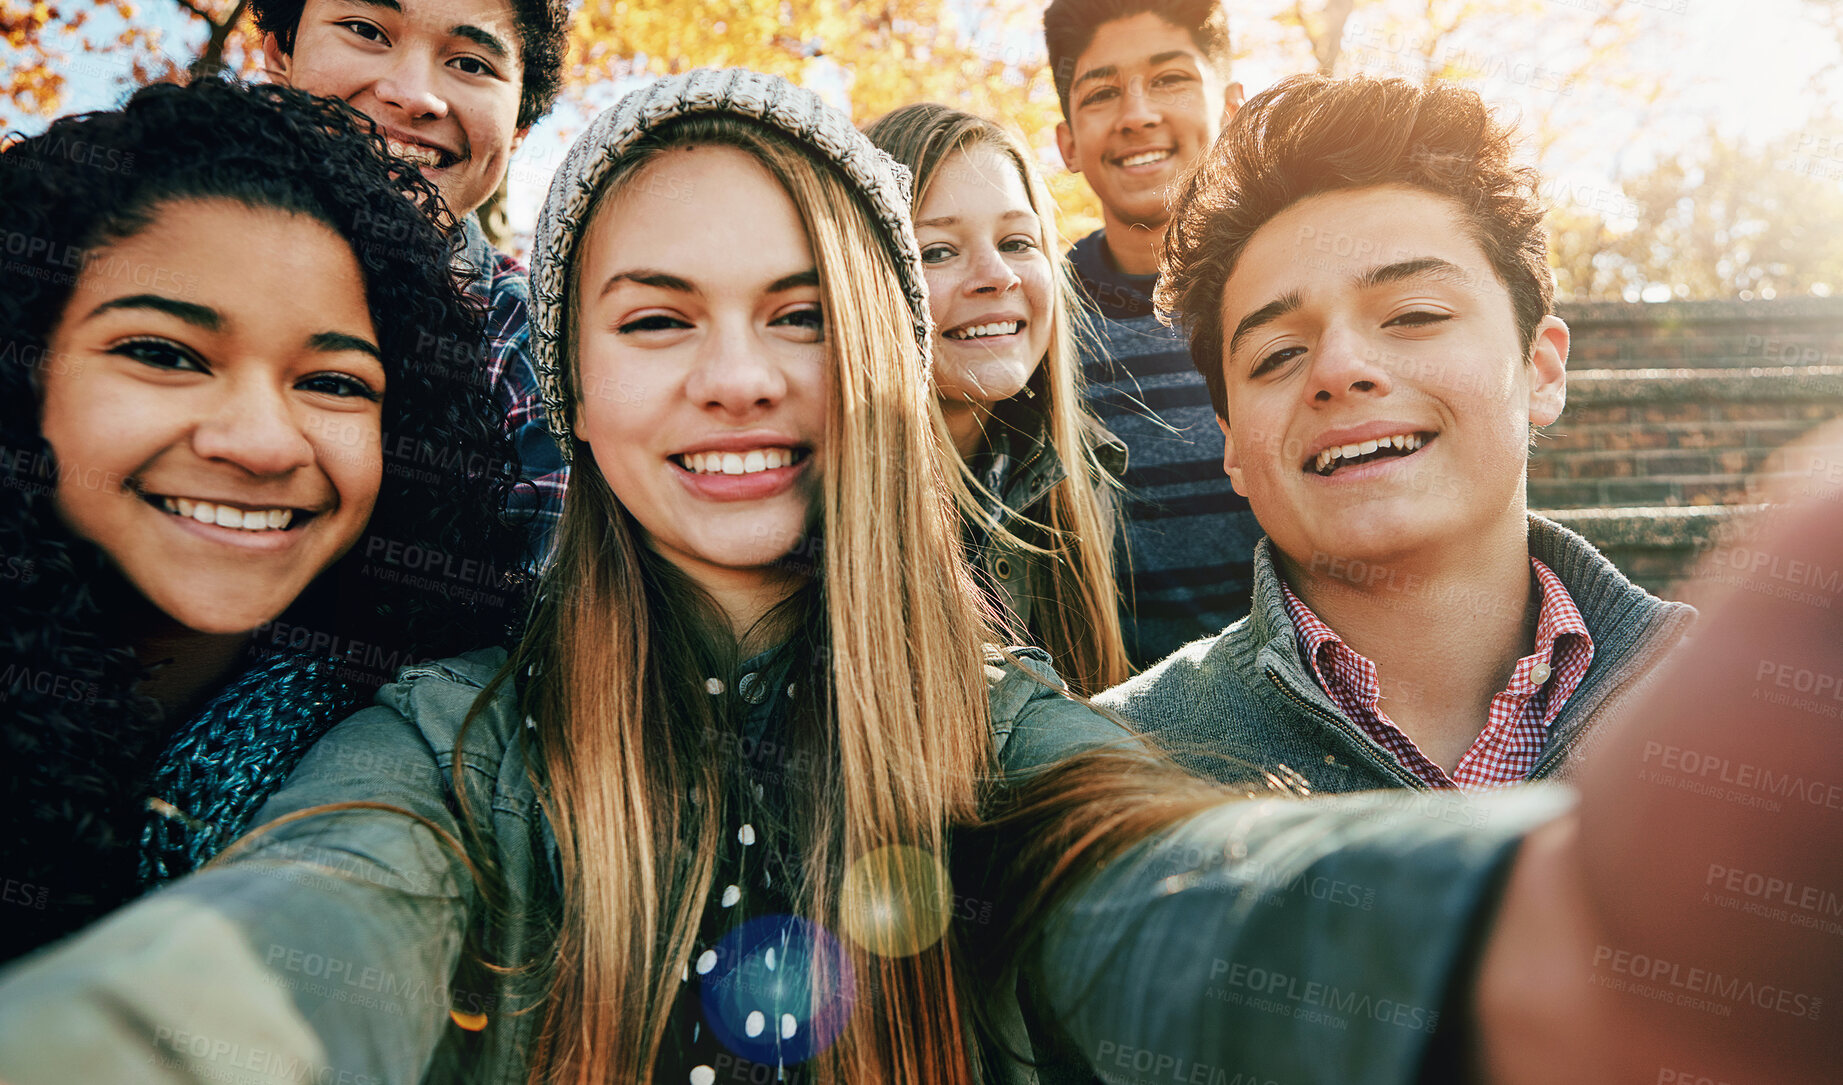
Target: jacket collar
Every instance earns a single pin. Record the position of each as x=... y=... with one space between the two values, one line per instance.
x=476 y=257
x=1017 y=464
x=1619 y=615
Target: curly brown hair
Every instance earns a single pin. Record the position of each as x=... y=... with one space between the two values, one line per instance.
x=71 y=765
x=1310 y=134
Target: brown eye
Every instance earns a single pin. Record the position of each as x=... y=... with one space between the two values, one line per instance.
x=1277 y=358
x=656 y=322
x=160 y=354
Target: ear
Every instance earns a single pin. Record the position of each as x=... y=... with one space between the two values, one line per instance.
x=1065 y=142
x=1548 y=378
x=1231 y=465
x=275 y=60
x=1232 y=99
x=518 y=137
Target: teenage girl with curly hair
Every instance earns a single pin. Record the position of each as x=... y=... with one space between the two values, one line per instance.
x=247 y=472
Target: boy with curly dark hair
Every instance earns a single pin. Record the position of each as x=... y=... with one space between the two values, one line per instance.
x=1363 y=276
x=1143 y=86
x=455 y=85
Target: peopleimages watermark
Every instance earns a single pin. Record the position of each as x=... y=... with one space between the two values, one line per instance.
x=1273 y=991
x=370 y=985
x=261 y=1063
x=1734 y=781
x=1769 y=896
x=24 y=894
x=1664 y=980
x=60 y=263
x=1260 y=883
x=1161 y=1068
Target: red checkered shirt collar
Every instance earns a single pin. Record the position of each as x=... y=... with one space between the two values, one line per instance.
x=1507 y=750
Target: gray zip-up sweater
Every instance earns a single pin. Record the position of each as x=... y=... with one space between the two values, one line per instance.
x=1245 y=701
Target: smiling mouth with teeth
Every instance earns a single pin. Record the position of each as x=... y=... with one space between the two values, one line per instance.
x=1146 y=158
x=206 y=512
x=417 y=154
x=1401 y=444
x=739 y=463
x=986 y=331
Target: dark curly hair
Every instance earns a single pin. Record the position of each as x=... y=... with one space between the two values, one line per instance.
x=77 y=738
x=1310 y=134
x=1069 y=27
x=543 y=39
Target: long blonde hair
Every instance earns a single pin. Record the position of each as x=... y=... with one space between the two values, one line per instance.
x=1077 y=617
x=612 y=673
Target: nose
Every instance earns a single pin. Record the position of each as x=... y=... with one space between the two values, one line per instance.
x=253 y=426
x=1346 y=364
x=989 y=273
x=735 y=373
x=409 y=86
x=1137 y=108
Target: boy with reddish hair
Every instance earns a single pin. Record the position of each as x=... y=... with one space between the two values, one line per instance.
x=1363 y=277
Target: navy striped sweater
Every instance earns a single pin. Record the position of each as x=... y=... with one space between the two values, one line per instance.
x=1186 y=568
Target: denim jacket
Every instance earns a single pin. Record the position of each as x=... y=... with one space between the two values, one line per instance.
x=1018 y=468
x=327 y=951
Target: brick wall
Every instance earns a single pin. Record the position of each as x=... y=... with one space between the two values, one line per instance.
x=1667 y=437
x=1671 y=407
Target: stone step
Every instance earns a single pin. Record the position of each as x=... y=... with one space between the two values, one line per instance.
x=1667 y=437
x=1614 y=387
x=1707 y=334
x=1657 y=548
x=1712 y=355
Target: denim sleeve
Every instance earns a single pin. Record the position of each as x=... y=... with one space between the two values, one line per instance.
x=1281 y=941
x=320 y=949
x=1039 y=725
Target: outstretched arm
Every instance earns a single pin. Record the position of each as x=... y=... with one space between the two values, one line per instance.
x=1682 y=923
x=319 y=951
x=1687 y=923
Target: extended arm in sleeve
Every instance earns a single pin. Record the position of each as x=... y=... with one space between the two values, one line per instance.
x=320 y=949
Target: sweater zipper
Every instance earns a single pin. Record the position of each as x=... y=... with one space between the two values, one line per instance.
x=1348 y=729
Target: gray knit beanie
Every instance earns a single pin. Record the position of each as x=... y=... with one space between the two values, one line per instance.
x=881 y=180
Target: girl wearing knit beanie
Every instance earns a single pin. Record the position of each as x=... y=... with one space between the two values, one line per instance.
x=1039 y=470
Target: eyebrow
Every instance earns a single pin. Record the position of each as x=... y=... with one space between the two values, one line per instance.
x=1265 y=315
x=198 y=316
x=1407 y=269
x=661 y=280
x=485 y=39
x=1380 y=275
x=1108 y=71
x=339 y=342
x=949 y=220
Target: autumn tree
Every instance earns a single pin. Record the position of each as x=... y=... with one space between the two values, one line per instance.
x=51 y=42
x=1727 y=221
x=869 y=57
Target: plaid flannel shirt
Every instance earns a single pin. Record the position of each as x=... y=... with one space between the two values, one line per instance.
x=501 y=280
x=1511 y=743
